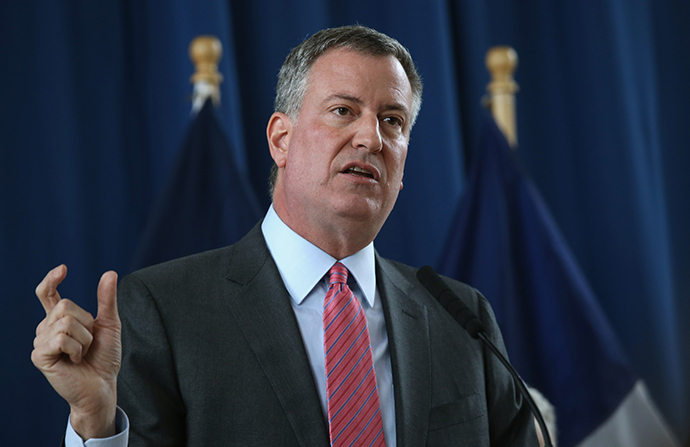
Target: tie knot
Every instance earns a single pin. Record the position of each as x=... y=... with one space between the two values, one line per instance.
x=338 y=274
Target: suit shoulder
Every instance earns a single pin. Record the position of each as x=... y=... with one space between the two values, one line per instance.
x=466 y=292
x=185 y=266
x=411 y=273
x=248 y=252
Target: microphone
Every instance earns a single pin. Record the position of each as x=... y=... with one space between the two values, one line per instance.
x=475 y=327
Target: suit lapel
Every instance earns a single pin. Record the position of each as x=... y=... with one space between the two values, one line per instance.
x=261 y=306
x=408 y=338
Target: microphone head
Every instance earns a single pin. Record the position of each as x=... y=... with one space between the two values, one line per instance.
x=450 y=301
x=474 y=327
x=431 y=281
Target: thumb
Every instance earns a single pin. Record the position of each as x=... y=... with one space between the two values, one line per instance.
x=107 y=299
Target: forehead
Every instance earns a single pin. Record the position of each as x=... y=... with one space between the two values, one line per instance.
x=358 y=74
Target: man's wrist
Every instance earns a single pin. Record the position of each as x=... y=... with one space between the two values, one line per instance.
x=72 y=439
x=89 y=425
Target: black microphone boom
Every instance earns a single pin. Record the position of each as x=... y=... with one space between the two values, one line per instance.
x=475 y=327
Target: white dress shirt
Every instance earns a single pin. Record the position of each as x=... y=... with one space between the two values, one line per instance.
x=303 y=268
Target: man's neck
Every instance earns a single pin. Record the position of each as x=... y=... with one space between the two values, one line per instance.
x=302 y=264
x=340 y=239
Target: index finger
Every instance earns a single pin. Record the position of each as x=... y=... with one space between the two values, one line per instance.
x=46 y=291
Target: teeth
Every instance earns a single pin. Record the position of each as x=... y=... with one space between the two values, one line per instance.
x=360 y=170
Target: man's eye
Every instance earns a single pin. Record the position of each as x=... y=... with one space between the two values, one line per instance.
x=342 y=111
x=393 y=121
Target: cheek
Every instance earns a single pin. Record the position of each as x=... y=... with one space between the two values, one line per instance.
x=396 y=164
x=317 y=146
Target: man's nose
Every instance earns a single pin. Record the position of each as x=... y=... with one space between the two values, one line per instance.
x=368 y=134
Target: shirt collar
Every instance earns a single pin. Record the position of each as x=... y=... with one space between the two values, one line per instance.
x=302 y=264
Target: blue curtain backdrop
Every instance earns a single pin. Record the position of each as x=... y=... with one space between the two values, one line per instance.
x=95 y=102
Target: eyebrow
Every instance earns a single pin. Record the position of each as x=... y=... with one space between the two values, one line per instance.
x=356 y=100
x=343 y=96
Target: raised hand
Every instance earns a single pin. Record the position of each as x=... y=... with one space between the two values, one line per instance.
x=79 y=355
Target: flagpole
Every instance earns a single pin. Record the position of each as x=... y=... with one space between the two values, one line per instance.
x=501 y=61
x=205 y=52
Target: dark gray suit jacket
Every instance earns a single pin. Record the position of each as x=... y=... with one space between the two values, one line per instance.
x=212 y=355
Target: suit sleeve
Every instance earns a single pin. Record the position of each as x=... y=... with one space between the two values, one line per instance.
x=147 y=384
x=511 y=421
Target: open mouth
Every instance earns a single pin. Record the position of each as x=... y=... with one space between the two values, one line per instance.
x=356 y=170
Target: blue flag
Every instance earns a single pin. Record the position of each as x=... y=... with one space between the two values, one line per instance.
x=504 y=242
x=206 y=202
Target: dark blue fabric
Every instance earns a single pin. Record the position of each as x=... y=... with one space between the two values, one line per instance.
x=504 y=241
x=95 y=105
x=206 y=204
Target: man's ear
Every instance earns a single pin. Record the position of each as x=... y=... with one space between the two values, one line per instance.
x=278 y=133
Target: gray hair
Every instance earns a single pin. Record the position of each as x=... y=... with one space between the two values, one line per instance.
x=294 y=74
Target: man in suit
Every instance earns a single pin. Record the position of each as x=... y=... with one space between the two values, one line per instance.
x=227 y=347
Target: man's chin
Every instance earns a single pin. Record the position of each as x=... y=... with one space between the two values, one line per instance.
x=362 y=209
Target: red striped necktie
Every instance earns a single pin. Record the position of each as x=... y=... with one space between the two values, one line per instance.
x=354 y=414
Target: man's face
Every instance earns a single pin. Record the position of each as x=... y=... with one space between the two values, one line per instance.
x=344 y=157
